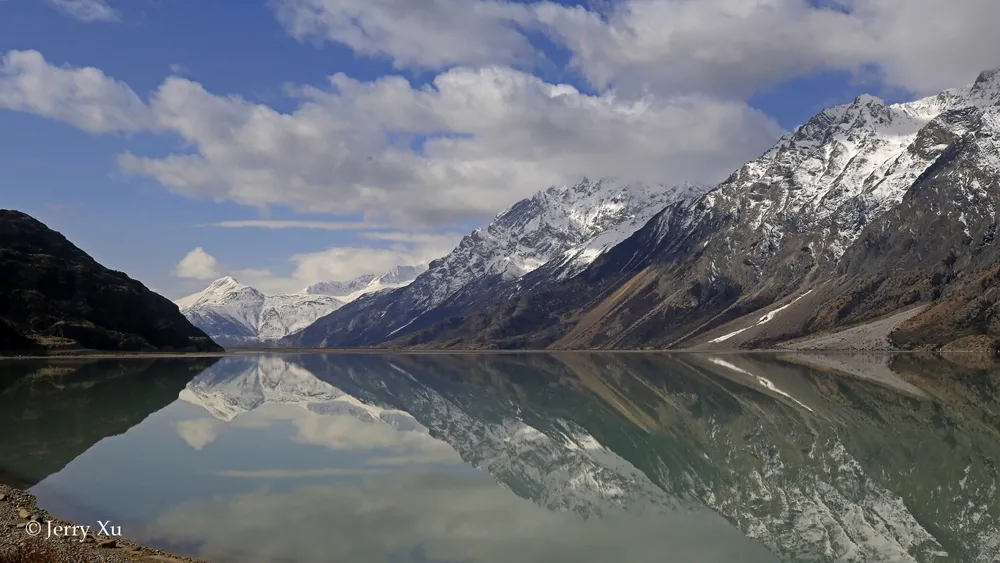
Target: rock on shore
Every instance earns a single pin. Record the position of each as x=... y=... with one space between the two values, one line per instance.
x=18 y=512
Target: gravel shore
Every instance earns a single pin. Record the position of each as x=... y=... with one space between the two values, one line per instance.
x=19 y=514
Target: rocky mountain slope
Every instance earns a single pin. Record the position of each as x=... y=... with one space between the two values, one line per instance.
x=549 y=237
x=53 y=295
x=865 y=210
x=238 y=315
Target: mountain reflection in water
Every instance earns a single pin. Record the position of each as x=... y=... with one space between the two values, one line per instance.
x=525 y=457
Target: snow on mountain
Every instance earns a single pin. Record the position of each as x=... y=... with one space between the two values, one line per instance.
x=859 y=187
x=225 y=309
x=564 y=228
x=287 y=314
x=340 y=288
x=847 y=165
x=240 y=303
x=577 y=258
x=569 y=223
x=231 y=312
x=369 y=283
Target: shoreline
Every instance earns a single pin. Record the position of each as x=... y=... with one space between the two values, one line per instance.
x=19 y=514
x=102 y=355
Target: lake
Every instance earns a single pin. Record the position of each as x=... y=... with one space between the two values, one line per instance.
x=573 y=457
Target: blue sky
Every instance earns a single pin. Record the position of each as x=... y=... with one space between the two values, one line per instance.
x=253 y=128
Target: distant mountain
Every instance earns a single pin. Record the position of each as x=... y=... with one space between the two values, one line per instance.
x=340 y=287
x=554 y=234
x=53 y=295
x=866 y=211
x=239 y=315
x=369 y=283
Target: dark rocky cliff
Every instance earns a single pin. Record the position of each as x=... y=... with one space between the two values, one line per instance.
x=53 y=295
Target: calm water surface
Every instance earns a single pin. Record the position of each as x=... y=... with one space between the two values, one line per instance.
x=518 y=458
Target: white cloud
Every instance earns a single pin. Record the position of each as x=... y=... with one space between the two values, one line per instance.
x=509 y=134
x=928 y=45
x=496 y=135
x=426 y=34
x=84 y=97
x=735 y=47
x=344 y=263
x=321 y=225
x=727 y=48
x=85 y=10
x=722 y=47
x=442 y=240
x=333 y=264
x=198 y=265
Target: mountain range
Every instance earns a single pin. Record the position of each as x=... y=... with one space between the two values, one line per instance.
x=236 y=314
x=538 y=242
x=872 y=226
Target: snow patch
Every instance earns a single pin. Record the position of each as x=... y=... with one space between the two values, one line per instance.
x=764 y=319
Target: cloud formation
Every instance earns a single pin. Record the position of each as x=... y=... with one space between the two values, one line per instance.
x=487 y=138
x=198 y=265
x=725 y=48
x=84 y=97
x=430 y=34
x=734 y=47
x=85 y=10
x=275 y=225
x=345 y=263
x=334 y=264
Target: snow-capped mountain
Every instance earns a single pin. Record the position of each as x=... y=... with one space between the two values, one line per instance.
x=340 y=288
x=233 y=313
x=560 y=229
x=369 y=283
x=817 y=223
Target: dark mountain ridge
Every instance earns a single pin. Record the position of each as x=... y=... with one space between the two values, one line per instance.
x=54 y=295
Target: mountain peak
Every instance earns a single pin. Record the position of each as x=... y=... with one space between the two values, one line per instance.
x=986 y=78
x=351 y=289
x=224 y=282
x=868 y=99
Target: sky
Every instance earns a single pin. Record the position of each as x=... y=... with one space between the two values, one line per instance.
x=288 y=142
